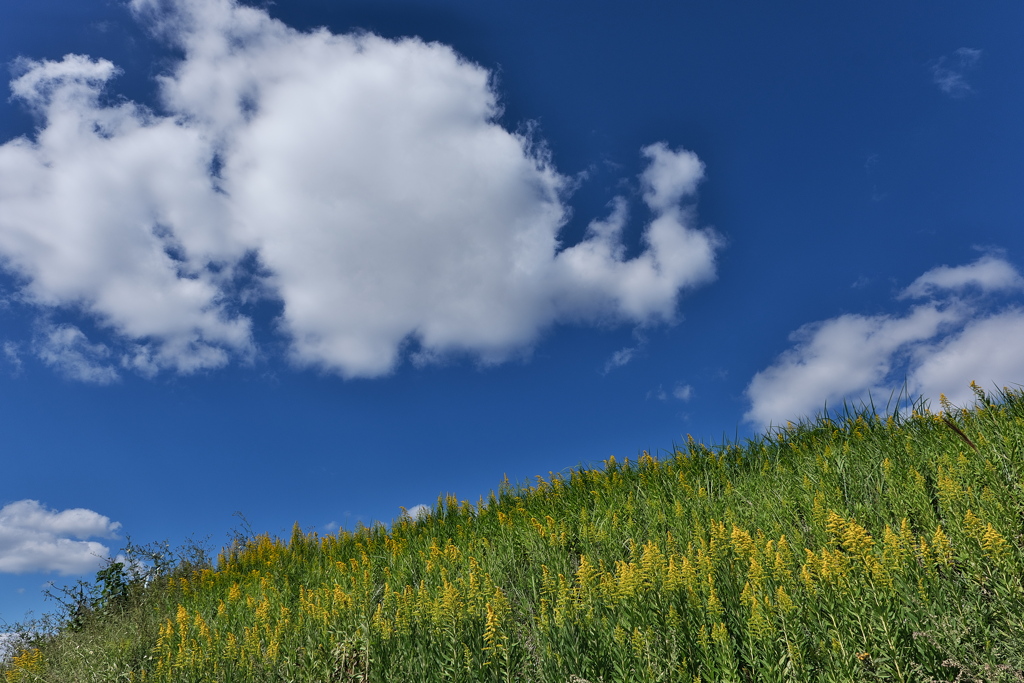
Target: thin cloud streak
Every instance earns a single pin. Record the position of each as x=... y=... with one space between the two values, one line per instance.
x=950 y=73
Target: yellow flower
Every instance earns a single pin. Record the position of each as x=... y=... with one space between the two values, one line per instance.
x=893 y=552
x=834 y=566
x=714 y=607
x=809 y=570
x=755 y=574
x=994 y=544
x=628 y=579
x=975 y=527
x=743 y=545
x=263 y=612
x=652 y=562
x=857 y=540
x=273 y=649
x=24 y=664
x=587 y=576
x=783 y=600
x=182 y=617
x=758 y=623
x=783 y=559
x=494 y=640
x=835 y=525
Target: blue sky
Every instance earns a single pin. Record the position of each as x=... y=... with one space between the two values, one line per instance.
x=313 y=261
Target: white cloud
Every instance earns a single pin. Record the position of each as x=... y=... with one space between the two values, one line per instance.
x=12 y=352
x=987 y=351
x=939 y=347
x=670 y=177
x=417 y=511
x=839 y=358
x=620 y=358
x=989 y=274
x=110 y=209
x=950 y=73
x=369 y=178
x=682 y=392
x=66 y=349
x=8 y=645
x=626 y=354
x=36 y=539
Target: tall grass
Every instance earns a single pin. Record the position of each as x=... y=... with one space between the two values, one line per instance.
x=854 y=549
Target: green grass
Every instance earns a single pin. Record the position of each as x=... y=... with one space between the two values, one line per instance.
x=861 y=549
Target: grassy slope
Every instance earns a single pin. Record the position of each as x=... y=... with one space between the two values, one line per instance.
x=871 y=549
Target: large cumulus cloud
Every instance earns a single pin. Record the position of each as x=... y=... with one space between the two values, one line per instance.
x=369 y=179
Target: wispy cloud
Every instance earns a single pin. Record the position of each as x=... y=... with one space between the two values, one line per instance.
x=367 y=177
x=950 y=72
x=34 y=538
x=66 y=349
x=12 y=353
x=680 y=392
x=626 y=354
x=952 y=336
x=620 y=358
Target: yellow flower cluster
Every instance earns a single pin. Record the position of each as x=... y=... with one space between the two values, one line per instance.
x=24 y=664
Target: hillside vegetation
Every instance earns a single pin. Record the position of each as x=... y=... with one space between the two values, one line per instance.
x=855 y=549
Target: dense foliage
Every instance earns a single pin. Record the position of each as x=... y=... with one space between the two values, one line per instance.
x=863 y=548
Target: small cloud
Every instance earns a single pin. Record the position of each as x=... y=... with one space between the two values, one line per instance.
x=619 y=358
x=626 y=354
x=416 y=511
x=34 y=538
x=66 y=349
x=949 y=73
x=683 y=392
x=670 y=177
x=12 y=352
x=331 y=527
x=658 y=394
